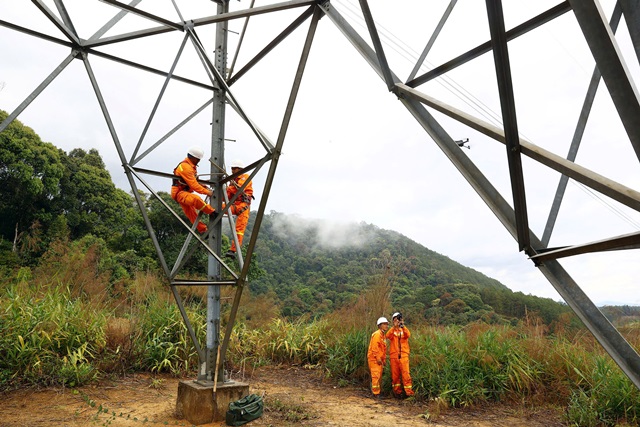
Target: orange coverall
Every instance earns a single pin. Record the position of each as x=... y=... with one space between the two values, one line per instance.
x=377 y=357
x=241 y=206
x=182 y=192
x=399 y=356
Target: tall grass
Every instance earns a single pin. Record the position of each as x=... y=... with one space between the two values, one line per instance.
x=47 y=337
x=347 y=356
x=165 y=344
x=52 y=335
x=605 y=397
x=279 y=341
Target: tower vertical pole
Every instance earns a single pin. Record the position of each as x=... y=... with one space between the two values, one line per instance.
x=215 y=232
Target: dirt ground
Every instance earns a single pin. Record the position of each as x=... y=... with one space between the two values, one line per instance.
x=292 y=396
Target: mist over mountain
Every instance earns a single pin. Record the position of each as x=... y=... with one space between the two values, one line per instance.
x=316 y=266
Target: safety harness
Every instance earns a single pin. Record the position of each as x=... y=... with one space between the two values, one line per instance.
x=243 y=198
x=177 y=180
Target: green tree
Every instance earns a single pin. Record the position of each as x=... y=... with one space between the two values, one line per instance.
x=90 y=199
x=30 y=172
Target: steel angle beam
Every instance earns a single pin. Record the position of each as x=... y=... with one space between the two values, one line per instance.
x=150 y=69
x=152 y=172
x=275 y=7
x=268 y=48
x=171 y=132
x=432 y=39
x=611 y=64
x=65 y=17
x=571 y=156
x=57 y=22
x=103 y=41
x=185 y=318
x=631 y=10
x=257 y=165
x=509 y=118
x=178 y=282
x=147 y=15
x=232 y=226
x=42 y=86
x=202 y=21
x=113 y=21
x=377 y=44
x=162 y=90
x=477 y=51
x=240 y=41
x=577 y=136
x=38 y=34
x=627 y=241
x=606 y=334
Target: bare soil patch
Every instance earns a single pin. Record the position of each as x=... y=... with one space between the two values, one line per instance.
x=292 y=395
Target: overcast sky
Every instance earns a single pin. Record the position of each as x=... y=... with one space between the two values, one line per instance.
x=353 y=153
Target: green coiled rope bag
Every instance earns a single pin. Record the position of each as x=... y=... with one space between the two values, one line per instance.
x=244 y=410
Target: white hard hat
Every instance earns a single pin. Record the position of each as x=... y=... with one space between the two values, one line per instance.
x=396 y=314
x=382 y=320
x=237 y=164
x=196 y=152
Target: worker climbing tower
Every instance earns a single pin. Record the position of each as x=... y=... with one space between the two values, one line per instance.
x=101 y=39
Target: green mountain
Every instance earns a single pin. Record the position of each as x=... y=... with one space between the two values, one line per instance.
x=316 y=266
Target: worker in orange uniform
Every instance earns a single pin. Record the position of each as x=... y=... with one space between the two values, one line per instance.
x=242 y=204
x=377 y=355
x=398 y=337
x=184 y=185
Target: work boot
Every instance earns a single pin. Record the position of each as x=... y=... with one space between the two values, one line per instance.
x=230 y=254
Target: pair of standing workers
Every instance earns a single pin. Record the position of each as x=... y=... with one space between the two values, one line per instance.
x=399 y=350
x=185 y=185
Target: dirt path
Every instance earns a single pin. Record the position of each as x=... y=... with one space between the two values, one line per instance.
x=293 y=396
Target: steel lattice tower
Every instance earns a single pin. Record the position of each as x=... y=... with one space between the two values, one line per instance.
x=598 y=32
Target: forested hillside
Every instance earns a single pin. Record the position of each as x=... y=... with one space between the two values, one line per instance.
x=316 y=266
x=50 y=199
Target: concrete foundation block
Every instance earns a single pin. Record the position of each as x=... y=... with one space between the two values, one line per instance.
x=197 y=404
